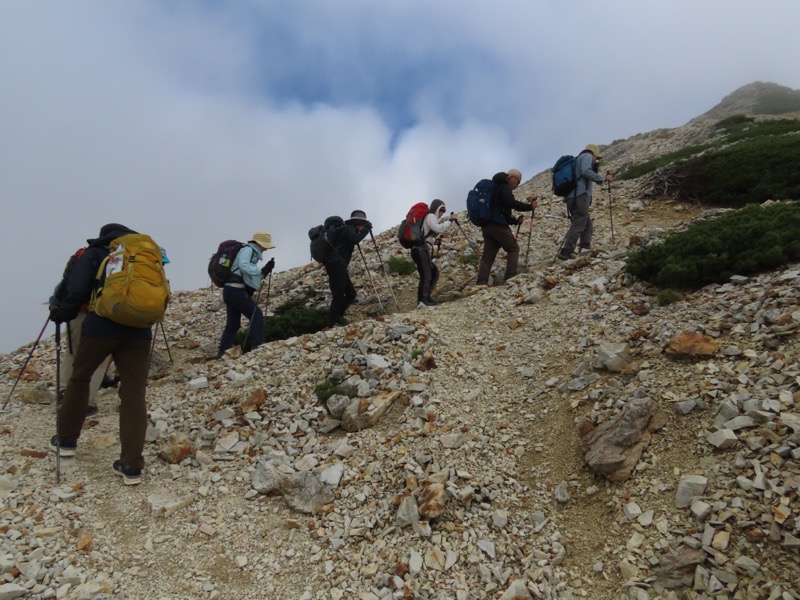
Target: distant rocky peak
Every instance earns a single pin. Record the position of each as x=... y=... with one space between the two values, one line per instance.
x=758 y=98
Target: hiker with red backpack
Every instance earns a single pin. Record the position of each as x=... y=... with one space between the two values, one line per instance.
x=497 y=234
x=434 y=223
x=121 y=276
x=73 y=329
x=244 y=280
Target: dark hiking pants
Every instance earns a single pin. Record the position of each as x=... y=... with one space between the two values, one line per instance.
x=343 y=294
x=494 y=238
x=237 y=303
x=428 y=272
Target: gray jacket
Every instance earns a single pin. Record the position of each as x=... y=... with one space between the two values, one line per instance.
x=586 y=176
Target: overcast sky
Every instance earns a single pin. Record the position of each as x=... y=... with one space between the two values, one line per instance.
x=197 y=121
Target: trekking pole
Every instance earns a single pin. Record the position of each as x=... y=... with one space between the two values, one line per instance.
x=564 y=239
x=472 y=246
x=266 y=304
x=58 y=402
x=166 y=343
x=25 y=364
x=383 y=268
x=374 y=287
x=610 y=213
x=253 y=316
x=530 y=231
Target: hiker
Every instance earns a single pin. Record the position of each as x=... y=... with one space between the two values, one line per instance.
x=238 y=293
x=579 y=201
x=345 y=236
x=434 y=224
x=100 y=337
x=164 y=258
x=498 y=235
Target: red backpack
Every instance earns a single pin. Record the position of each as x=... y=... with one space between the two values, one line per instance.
x=410 y=232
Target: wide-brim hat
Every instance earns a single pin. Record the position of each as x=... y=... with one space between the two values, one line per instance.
x=357 y=217
x=263 y=239
x=594 y=149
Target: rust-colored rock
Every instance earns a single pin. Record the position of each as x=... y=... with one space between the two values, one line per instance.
x=692 y=344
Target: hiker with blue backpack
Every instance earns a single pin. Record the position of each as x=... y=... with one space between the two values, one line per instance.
x=579 y=201
x=497 y=233
x=246 y=278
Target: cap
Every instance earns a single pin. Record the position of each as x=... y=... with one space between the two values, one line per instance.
x=164 y=257
x=594 y=149
x=109 y=228
x=357 y=217
x=263 y=239
x=515 y=173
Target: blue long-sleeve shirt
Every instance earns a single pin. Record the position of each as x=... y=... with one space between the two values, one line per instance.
x=246 y=265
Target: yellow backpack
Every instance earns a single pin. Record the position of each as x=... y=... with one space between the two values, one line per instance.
x=132 y=288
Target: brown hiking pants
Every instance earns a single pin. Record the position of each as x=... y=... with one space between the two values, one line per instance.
x=131 y=358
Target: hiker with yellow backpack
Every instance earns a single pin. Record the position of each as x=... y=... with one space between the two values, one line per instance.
x=122 y=278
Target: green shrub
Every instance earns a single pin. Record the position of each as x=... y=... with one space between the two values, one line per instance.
x=294 y=320
x=468 y=259
x=778 y=102
x=741 y=242
x=401 y=266
x=750 y=171
x=325 y=389
x=668 y=296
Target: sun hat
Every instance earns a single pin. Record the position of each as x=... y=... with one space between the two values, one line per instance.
x=164 y=257
x=594 y=149
x=263 y=239
x=357 y=217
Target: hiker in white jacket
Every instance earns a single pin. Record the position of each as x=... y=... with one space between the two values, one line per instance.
x=435 y=224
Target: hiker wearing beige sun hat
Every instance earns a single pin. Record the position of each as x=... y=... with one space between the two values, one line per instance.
x=581 y=229
x=238 y=293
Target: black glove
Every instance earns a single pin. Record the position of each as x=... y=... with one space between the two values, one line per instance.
x=56 y=316
x=267 y=268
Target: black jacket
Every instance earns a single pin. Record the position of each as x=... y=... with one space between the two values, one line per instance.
x=345 y=243
x=80 y=285
x=503 y=201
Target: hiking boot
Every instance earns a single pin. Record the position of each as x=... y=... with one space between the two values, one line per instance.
x=130 y=476
x=91 y=410
x=67 y=449
x=563 y=256
x=431 y=302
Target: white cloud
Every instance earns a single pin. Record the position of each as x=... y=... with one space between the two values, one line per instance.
x=197 y=122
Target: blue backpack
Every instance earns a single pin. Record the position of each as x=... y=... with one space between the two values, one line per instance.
x=564 y=180
x=479 y=204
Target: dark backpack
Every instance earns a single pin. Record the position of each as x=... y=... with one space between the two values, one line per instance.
x=564 y=179
x=479 y=204
x=410 y=232
x=323 y=239
x=60 y=291
x=220 y=263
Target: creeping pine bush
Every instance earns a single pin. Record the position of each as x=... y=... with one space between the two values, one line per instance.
x=401 y=266
x=741 y=242
x=750 y=171
x=293 y=318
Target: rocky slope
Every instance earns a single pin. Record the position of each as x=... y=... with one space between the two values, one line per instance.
x=459 y=469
